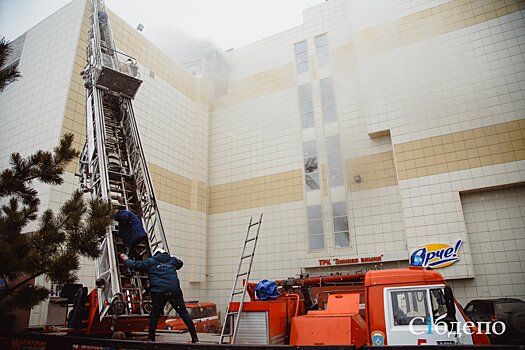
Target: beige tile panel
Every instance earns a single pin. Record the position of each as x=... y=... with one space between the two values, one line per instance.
x=133 y=43
x=257 y=192
x=438 y=20
x=75 y=114
x=376 y=171
x=343 y=57
x=490 y=145
x=260 y=84
x=178 y=190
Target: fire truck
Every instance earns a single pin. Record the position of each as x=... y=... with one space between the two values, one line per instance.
x=113 y=168
x=408 y=306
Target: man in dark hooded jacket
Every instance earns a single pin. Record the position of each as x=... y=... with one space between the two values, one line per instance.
x=129 y=228
x=164 y=287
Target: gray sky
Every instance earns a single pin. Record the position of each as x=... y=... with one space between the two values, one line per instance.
x=226 y=23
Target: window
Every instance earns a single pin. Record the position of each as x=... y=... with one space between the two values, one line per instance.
x=305 y=106
x=56 y=288
x=439 y=307
x=210 y=311
x=335 y=165
x=315 y=227
x=321 y=49
x=408 y=305
x=328 y=100
x=301 y=57
x=195 y=312
x=311 y=170
x=340 y=219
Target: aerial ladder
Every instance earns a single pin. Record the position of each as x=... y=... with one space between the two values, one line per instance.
x=113 y=168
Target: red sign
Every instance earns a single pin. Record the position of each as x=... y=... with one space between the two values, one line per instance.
x=337 y=261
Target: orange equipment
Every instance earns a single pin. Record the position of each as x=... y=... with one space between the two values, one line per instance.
x=409 y=306
x=339 y=324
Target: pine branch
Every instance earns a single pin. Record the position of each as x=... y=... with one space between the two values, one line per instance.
x=23 y=282
x=54 y=250
x=8 y=74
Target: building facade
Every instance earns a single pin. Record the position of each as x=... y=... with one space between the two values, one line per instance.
x=373 y=131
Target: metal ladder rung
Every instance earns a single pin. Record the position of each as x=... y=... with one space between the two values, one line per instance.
x=156 y=243
x=242 y=274
x=247 y=256
x=251 y=239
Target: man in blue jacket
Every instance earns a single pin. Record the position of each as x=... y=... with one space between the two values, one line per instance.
x=130 y=229
x=164 y=287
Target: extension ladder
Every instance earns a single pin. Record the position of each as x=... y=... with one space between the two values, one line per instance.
x=113 y=168
x=246 y=260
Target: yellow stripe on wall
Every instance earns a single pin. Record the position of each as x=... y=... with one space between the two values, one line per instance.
x=375 y=171
x=257 y=192
x=75 y=114
x=178 y=190
x=435 y=21
x=489 y=145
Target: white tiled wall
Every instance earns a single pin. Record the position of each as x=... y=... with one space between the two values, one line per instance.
x=376 y=221
x=496 y=231
x=457 y=81
x=32 y=108
x=367 y=14
x=280 y=253
x=255 y=138
x=165 y=118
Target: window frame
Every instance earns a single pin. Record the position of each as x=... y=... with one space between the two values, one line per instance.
x=311 y=218
x=301 y=65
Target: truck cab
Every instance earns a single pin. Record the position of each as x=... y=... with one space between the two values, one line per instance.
x=414 y=306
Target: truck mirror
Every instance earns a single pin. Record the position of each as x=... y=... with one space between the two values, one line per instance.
x=450 y=319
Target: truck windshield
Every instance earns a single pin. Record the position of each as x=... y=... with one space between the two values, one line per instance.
x=408 y=305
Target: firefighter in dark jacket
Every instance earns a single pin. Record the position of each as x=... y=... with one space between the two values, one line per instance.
x=164 y=287
x=130 y=229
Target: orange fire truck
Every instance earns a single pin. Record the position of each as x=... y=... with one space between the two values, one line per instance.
x=409 y=306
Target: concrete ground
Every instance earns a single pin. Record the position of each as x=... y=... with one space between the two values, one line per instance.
x=165 y=336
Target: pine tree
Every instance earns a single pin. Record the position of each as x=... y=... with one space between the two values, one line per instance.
x=54 y=249
x=7 y=74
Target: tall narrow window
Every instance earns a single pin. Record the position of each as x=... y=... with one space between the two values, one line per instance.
x=311 y=171
x=335 y=164
x=321 y=49
x=340 y=219
x=328 y=100
x=305 y=106
x=315 y=227
x=301 y=57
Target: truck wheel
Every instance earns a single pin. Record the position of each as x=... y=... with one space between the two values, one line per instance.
x=517 y=321
x=212 y=329
x=168 y=328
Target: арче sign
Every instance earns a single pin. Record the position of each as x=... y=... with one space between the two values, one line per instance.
x=438 y=255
